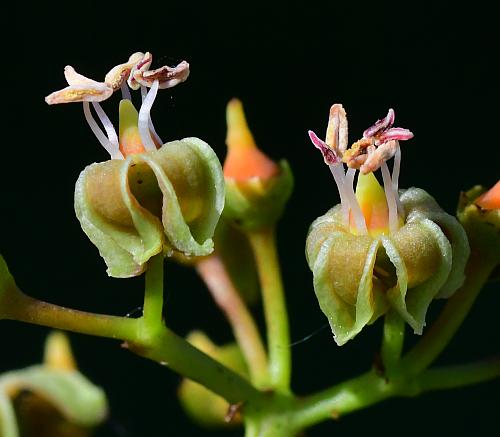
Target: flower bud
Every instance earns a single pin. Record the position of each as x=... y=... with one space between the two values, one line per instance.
x=479 y=213
x=202 y=405
x=257 y=188
x=160 y=200
x=52 y=399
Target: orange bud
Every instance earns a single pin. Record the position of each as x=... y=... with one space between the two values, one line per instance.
x=244 y=160
x=490 y=199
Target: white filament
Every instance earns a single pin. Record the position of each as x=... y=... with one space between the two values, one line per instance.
x=348 y=197
x=391 y=198
x=395 y=177
x=125 y=91
x=152 y=129
x=145 y=124
x=349 y=183
x=111 y=148
x=337 y=171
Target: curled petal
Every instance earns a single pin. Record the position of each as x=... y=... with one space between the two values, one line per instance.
x=380 y=125
x=377 y=156
x=140 y=67
x=328 y=153
x=119 y=74
x=337 y=131
x=395 y=133
x=167 y=77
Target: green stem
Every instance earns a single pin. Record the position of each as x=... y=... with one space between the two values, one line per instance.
x=153 y=295
x=457 y=376
x=170 y=350
x=214 y=274
x=346 y=397
x=264 y=247
x=18 y=306
x=437 y=337
x=392 y=341
x=370 y=388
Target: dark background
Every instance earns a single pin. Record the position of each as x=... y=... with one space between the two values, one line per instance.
x=288 y=62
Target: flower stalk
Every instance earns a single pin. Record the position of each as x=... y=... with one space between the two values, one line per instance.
x=214 y=274
x=263 y=243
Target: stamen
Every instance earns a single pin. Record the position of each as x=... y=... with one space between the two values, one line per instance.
x=144 y=117
x=396 y=167
x=156 y=137
x=349 y=185
x=339 y=176
x=125 y=91
x=391 y=198
x=329 y=155
x=108 y=126
x=380 y=125
x=103 y=139
x=357 y=214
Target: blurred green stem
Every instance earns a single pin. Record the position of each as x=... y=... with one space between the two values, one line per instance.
x=214 y=274
x=263 y=243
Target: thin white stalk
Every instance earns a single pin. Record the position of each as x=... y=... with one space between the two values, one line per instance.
x=144 y=117
x=112 y=149
x=347 y=193
x=156 y=137
x=390 y=195
x=125 y=91
x=395 y=178
x=337 y=171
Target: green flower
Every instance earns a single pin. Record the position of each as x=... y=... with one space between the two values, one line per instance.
x=380 y=248
x=150 y=197
x=52 y=399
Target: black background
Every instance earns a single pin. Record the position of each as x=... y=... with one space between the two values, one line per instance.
x=288 y=62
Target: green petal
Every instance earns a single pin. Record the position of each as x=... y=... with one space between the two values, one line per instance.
x=127 y=208
x=78 y=400
x=421 y=203
x=412 y=304
x=344 y=284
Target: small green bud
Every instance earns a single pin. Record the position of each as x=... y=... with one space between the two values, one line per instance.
x=202 y=405
x=479 y=213
x=257 y=188
x=52 y=399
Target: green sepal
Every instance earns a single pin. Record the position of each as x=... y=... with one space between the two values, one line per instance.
x=418 y=201
x=165 y=200
x=203 y=406
x=482 y=226
x=258 y=203
x=74 y=396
